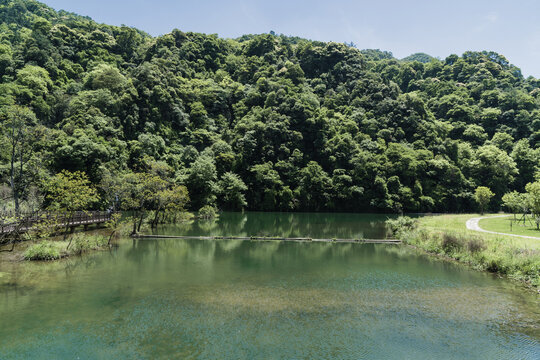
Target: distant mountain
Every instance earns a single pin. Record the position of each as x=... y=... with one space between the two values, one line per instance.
x=263 y=122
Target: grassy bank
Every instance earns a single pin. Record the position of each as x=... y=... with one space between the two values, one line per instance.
x=78 y=244
x=448 y=236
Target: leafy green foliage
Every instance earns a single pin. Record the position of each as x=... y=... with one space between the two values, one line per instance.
x=232 y=190
x=497 y=255
x=85 y=242
x=533 y=193
x=400 y=225
x=263 y=122
x=68 y=192
x=483 y=196
x=208 y=212
x=45 y=250
x=420 y=57
x=515 y=202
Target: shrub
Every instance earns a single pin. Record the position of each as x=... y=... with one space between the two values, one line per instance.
x=494 y=265
x=183 y=216
x=208 y=212
x=402 y=224
x=85 y=242
x=45 y=250
x=451 y=242
x=476 y=245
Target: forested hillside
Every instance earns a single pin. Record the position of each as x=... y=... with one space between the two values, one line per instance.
x=263 y=122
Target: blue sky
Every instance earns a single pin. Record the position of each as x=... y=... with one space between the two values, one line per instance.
x=438 y=28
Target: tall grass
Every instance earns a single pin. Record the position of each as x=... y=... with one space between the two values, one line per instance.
x=45 y=250
x=53 y=250
x=82 y=243
x=497 y=255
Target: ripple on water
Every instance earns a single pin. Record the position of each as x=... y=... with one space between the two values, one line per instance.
x=266 y=323
x=225 y=299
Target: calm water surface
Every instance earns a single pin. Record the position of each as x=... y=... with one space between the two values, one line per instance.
x=314 y=225
x=198 y=299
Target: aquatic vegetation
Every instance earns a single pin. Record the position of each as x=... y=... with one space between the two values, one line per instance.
x=54 y=250
x=44 y=250
x=85 y=242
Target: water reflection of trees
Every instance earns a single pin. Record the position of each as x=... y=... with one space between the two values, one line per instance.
x=138 y=267
x=146 y=258
x=315 y=225
x=260 y=253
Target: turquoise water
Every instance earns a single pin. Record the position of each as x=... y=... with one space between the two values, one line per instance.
x=196 y=299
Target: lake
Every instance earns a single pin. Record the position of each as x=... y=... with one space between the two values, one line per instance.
x=205 y=299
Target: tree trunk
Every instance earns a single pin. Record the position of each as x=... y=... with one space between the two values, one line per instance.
x=140 y=221
x=66 y=229
x=110 y=237
x=12 y=246
x=156 y=217
x=12 y=180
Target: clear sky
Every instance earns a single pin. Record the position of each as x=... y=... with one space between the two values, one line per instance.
x=436 y=27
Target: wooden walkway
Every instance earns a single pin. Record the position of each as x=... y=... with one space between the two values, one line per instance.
x=260 y=238
x=26 y=222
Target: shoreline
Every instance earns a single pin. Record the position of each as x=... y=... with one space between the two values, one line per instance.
x=505 y=255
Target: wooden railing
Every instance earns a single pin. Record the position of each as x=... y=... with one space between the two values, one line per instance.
x=23 y=222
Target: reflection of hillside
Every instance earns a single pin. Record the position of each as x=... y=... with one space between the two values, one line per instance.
x=314 y=225
x=259 y=278
x=263 y=252
x=208 y=226
x=230 y=245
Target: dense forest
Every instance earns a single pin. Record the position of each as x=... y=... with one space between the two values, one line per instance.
x=263 y=122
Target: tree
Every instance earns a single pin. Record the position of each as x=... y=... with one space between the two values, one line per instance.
x=388 y=135
x=172 y=199
x=314 y=187
x=231 y=192
x=140 y=193
x=494 y=168
x=105 y=76
x=68 y=192
x=113 y=224
x=483 y=196
x=527 y=161
x=266 y=191
x=533 y=192
x=201 y=181
x=515 y=202
x=17 y=125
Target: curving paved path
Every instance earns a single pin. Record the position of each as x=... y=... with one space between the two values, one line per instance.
x=472 y=224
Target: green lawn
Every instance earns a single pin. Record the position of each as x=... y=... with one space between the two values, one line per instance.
x=505 y=225
x=448 y=222
x=456 y=223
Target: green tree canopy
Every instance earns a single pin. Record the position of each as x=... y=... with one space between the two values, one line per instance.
x=483 y=196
